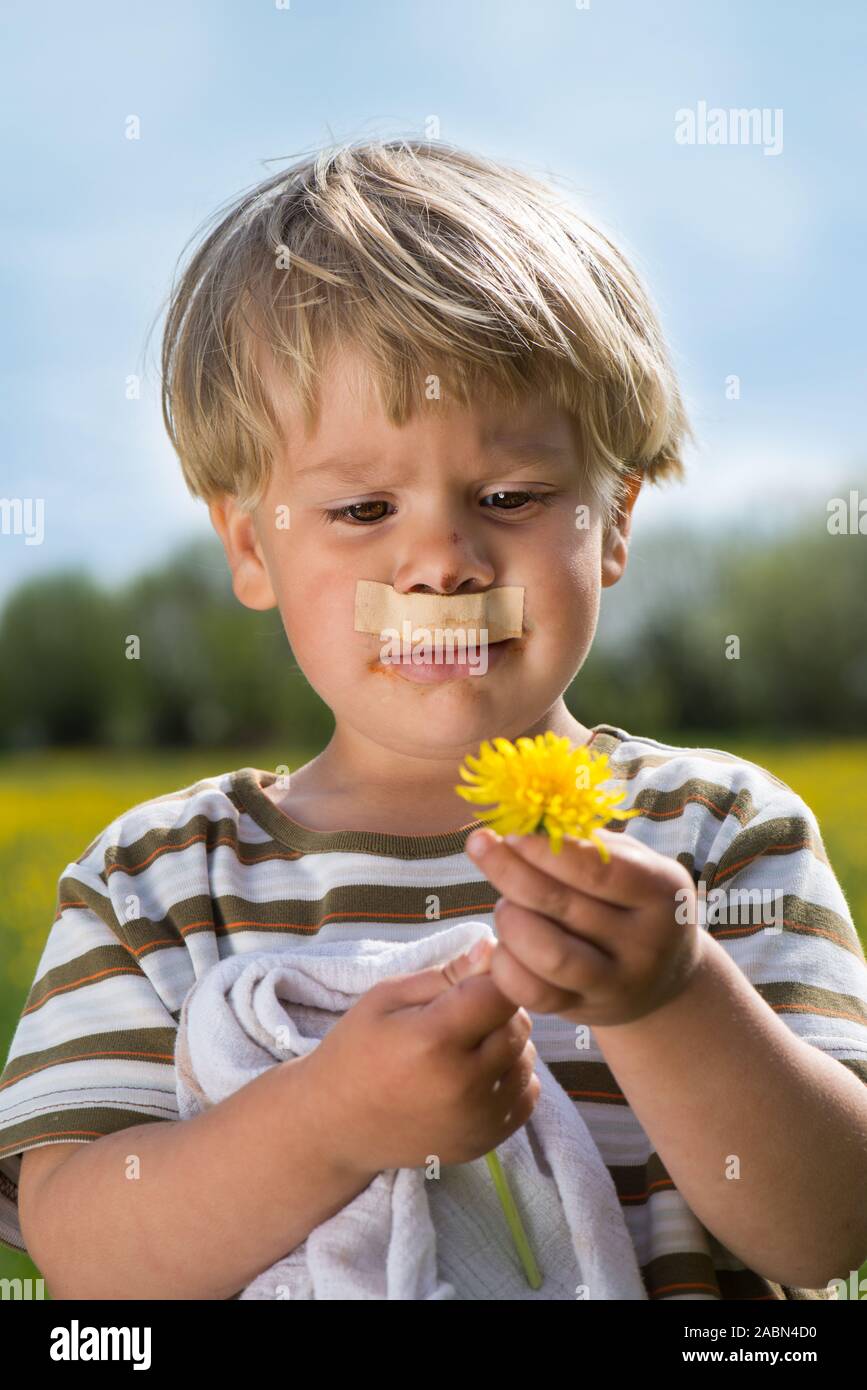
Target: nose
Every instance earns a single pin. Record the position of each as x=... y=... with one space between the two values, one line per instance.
x=444 y=566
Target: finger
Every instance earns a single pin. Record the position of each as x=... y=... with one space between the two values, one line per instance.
x=467 y=1019
x=467 y=1012
x=636 y=871
x=534 y=888
x=519 y=1106
x=633 y=873
x=416 y=988
x=500 y=1050
x=529 y=869
x=516 y=1080
x=599 y=924
x=526 y=989
x=510 y=1081
x=461 y=968
x=421 y=986
x=550 y=953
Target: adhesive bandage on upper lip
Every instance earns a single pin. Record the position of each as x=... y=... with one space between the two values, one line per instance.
x=500 y=612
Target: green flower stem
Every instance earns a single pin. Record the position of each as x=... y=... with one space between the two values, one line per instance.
x=519 y=1235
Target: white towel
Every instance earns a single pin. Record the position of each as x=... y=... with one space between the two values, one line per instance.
x=406 y=1235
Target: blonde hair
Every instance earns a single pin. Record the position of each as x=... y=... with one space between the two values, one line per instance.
x=435 y=263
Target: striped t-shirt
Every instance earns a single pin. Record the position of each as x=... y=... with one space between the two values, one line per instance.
x=177 y=883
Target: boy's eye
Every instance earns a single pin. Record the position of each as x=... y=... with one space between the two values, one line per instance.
x=533 y=497
x=347 y=513
x=339 y=512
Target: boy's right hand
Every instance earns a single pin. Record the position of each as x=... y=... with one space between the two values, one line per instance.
x=438 y=1062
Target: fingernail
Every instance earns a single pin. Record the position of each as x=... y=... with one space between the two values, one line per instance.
x=477 y=952
x=481 y=840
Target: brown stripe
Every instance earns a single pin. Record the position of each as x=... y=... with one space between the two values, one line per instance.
x=588 y=1081
x=800 y=917
x=230 y=914
x=75 y=1123
x=135 y=858
x=72 y=892
x=659 y=805
x=287 y=843
x=779 y=836
x=680 y=1274
x=636 y=1183
x=363 y=902
x=133 y=1045
x=685 y=1273
x=793 y=997
x=91 y=967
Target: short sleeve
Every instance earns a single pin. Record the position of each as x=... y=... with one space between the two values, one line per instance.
x=93 y=1050
x=774 y=903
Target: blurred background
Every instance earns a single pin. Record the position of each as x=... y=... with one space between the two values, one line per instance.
x=124 y=129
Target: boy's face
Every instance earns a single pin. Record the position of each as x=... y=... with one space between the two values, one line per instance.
x=425 y=518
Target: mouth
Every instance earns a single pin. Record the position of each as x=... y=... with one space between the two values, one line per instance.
x=447 y=667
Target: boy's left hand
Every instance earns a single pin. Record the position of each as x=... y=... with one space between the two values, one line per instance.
x=595 y=942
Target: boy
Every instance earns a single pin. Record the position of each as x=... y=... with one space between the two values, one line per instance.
x=404 y=364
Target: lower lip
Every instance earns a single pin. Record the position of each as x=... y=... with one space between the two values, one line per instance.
x=432 y=672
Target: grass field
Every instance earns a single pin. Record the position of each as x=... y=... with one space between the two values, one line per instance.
x=53 y=804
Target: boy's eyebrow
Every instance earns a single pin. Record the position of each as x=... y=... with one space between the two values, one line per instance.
x=531 y=453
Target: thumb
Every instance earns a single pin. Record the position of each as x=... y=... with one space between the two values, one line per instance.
x=476 y=961
x=423 y=986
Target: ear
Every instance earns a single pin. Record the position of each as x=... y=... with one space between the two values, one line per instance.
x=615 y=542
x=236 y=528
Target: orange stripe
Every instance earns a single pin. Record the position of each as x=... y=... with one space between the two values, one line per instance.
x=605 y=1095
x=661 y=1185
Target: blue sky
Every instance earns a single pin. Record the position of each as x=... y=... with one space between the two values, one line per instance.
x=755 y=260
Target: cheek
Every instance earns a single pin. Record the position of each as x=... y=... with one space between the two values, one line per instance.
x=567 y=591
x=317 y=605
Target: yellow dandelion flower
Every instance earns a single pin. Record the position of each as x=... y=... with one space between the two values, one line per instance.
x=543 y=784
